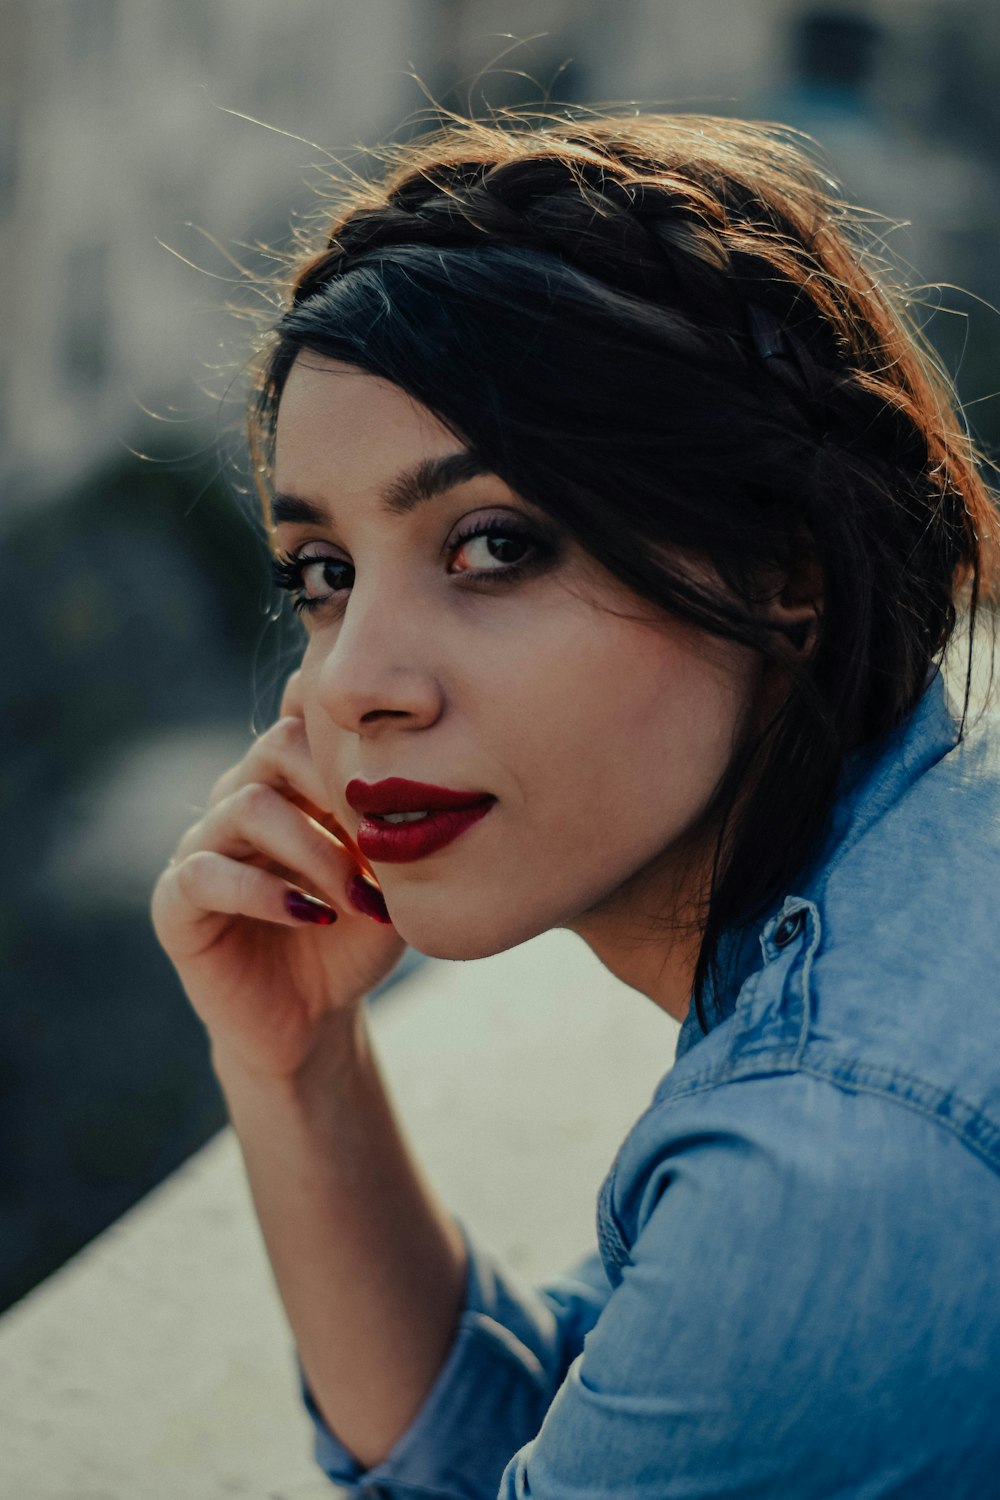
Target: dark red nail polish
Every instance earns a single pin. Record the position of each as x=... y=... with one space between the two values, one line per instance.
x=308 y=909
x=368 y=899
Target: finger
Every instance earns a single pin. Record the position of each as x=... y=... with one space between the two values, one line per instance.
x=258 y=820
x=280 y=757
x=207 y=884
x=292 y=701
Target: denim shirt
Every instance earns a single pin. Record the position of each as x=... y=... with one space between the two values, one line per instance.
x=797 y=1289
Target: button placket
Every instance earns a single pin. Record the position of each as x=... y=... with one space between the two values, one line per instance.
x=790 y=939
x=788 y=925
x=789 y=928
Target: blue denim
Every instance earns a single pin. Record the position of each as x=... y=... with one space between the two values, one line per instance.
x=797 y=1290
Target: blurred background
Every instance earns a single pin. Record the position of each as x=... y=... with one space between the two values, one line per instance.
x=147 y=151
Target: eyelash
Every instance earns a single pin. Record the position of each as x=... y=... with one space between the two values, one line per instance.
x=287 y=571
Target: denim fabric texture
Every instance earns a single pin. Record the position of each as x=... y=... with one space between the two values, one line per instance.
x=797 y=1291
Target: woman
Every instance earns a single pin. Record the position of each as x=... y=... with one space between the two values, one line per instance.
x=628 y=525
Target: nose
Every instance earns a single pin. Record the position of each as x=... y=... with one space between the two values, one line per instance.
x=378 y=672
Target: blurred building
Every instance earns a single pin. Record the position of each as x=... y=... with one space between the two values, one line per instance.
x=114 y=141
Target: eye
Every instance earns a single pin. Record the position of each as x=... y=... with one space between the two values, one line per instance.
x=490 y=551
x=311 y=578
x=495 y=546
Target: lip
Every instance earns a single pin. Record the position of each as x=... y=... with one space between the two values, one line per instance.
x=396 y=794
x=451 y=812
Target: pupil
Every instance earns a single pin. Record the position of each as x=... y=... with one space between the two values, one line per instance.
x=498 y=543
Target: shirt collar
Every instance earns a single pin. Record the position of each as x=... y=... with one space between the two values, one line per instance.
x=873 y=779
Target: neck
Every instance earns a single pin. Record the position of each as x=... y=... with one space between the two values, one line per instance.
x=649 y=936
x=665 y=975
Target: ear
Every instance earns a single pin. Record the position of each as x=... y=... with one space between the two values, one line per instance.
x=794 y=604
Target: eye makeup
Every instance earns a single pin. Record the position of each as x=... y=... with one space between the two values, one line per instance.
x=315 y=579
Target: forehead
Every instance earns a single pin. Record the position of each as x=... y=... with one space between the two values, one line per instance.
x=338 y=425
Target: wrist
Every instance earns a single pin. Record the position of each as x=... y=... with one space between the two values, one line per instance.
x=341 y=1044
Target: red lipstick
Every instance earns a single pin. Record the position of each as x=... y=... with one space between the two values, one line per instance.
x=448 y=813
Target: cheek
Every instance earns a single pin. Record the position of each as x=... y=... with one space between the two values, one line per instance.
x=641 y=721
x=326 y=740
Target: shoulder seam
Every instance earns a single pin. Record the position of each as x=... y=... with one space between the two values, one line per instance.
x=977 y=1131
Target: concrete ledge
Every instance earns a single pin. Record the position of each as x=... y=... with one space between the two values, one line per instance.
x=157 y=1365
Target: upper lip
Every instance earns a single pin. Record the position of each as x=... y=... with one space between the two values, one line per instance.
x=398 y=795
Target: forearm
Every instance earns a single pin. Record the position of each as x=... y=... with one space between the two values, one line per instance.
x=370 y=1268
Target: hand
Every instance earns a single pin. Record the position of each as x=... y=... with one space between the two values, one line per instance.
x=268 y=985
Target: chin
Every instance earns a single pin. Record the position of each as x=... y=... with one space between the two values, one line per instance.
x=461 y=937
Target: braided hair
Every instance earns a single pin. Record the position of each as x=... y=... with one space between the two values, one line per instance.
x=666 y=332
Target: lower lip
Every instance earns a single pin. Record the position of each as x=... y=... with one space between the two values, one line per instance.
x=396 y=843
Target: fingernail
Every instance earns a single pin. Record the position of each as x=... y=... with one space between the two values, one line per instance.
x=368 y=899
x=308 y=909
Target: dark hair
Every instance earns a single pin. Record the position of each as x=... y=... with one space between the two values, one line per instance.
x=664 y=332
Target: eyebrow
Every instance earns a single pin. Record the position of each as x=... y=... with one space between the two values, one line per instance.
x=425 y=481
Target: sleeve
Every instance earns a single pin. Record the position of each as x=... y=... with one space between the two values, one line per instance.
x=511 y=1352
x=810 y=1308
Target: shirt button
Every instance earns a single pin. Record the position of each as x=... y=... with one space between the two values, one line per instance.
x=789 y=928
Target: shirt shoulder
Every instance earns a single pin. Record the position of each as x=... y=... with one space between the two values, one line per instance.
x=792 y=1258
x=875 y=976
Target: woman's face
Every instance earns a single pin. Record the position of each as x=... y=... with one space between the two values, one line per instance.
x=504 y=662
